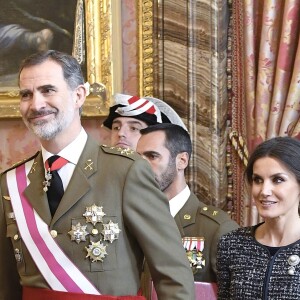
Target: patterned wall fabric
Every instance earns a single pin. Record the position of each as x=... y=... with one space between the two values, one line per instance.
x=265 y=80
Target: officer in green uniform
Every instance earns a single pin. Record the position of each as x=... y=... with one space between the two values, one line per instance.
x=168 y=149
x=111 y=214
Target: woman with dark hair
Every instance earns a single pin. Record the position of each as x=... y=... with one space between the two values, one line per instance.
x=263 y=261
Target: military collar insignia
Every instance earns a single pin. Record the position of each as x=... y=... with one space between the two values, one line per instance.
x=32 y=170
x=187 y=217
x=89 y=165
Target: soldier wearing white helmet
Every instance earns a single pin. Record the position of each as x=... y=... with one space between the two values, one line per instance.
x=129 y=114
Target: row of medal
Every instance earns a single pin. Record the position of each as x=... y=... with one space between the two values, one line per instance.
x=96 y=250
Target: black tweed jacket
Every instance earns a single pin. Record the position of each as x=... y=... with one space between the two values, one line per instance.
x=246 y=269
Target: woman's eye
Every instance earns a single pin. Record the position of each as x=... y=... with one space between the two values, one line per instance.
x=256 y=180
x=278 y=179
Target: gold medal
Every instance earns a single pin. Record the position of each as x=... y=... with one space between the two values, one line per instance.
x=96 y=251
x=78 y=233
x=94 y=214
x=111 y=231
x=194 y=250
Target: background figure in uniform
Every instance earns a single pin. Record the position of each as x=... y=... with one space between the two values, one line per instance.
x=95 y=240
x=129 y=114
x=263 y=261
x=168 y=148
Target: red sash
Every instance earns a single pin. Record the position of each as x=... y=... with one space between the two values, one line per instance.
x=57 y=269
x=44 y=294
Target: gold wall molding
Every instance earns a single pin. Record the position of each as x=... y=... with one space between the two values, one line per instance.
x=145 y=45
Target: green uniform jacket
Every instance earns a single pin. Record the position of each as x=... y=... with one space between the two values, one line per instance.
x=124 y=185
x=196 y=219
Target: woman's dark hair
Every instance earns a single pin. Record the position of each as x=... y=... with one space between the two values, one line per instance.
x=284 y=149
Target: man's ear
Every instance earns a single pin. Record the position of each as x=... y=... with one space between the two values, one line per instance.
x=182 y=160
x=80 y=95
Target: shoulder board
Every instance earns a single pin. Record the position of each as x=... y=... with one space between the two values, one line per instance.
x=20 y=162
x=129 y=153
x=215 y=213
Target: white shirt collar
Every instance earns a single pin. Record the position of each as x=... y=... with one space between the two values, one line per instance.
x=177 y=202
x=72 y=151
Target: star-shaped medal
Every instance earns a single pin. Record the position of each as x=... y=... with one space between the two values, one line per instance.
x=96 y=251
x=111 y=231
x=94 y=214
x=78 y=233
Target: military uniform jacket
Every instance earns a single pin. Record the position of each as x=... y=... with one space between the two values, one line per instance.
x=124 y=185
x=195 y=219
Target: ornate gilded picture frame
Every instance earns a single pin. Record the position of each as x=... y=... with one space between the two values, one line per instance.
x=94 y=45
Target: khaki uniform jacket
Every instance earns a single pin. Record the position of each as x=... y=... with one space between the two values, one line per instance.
x=124 y=185
x=196 y=219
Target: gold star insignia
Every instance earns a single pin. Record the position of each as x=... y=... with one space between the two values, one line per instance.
x=96 y=251
x=78 y=233
x=94 y=214
x=111 y=231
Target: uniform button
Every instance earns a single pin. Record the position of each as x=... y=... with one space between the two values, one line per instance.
x=16 y=237
x=95 y=231
x=205 y=208
x=187 y=217
x=53 y=233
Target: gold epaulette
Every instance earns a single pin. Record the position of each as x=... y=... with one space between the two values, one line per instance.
x=215 y=213
x=126 y=152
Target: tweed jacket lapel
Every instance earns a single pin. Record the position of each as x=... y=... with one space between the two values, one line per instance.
x=34 y=191
x=79 y=184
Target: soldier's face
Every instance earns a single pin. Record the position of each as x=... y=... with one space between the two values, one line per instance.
x=151 y=146
x=125 y=132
